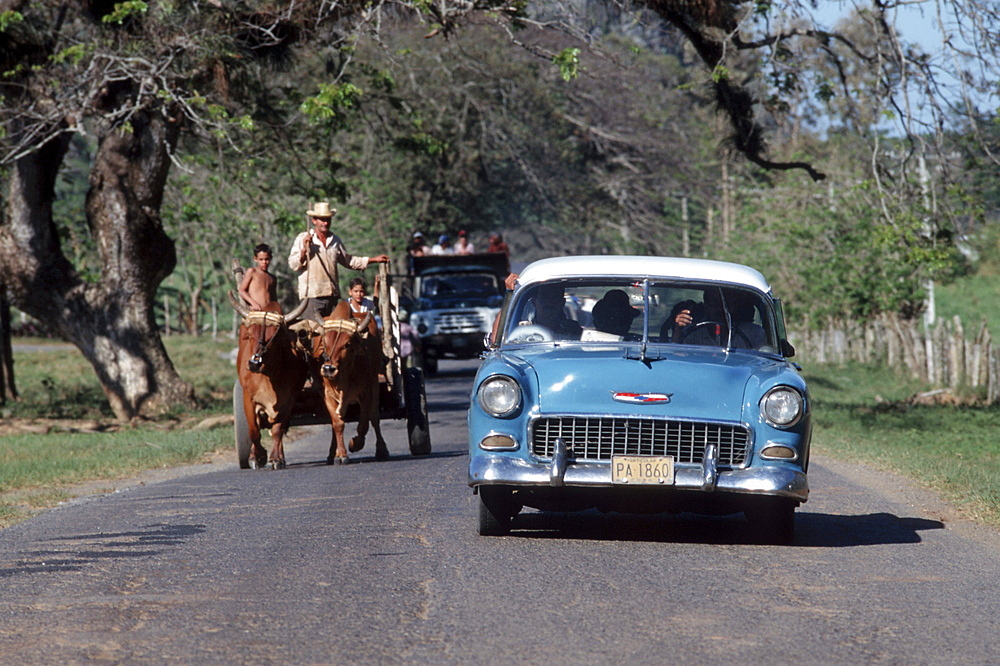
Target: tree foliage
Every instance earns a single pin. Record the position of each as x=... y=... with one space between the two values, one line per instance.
x=595 y=136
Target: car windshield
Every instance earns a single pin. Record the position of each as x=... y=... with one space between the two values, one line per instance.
x=616 y=310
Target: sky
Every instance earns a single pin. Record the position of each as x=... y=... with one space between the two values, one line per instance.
x=916 y=22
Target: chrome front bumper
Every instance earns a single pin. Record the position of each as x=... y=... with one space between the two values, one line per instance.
x=491 y=469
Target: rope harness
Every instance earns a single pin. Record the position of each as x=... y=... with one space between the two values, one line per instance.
x=338 y=327
x=262 y=319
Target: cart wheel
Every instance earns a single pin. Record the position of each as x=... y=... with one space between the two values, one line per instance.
x=416 y=412
x=241 y=428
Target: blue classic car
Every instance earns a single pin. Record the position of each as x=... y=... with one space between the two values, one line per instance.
x=640 y=384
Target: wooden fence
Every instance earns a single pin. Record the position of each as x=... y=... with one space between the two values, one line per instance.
x=941 y=355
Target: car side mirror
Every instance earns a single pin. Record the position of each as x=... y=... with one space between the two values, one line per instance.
x=787 y=350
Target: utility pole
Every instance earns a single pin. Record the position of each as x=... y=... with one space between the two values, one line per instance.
x=726 y=213
x=685 y=228
x=930 y=315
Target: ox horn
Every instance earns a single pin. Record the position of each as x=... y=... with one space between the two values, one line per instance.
x=363 y=326
x=238 y=304
x=297 y=312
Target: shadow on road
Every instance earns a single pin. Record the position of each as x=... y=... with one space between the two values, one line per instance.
x=812 y=530
x=72 y=553
x=825 y=530
x=365 y=459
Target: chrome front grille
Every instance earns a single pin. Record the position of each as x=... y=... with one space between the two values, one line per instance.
x=460 y=322
x=598 y=438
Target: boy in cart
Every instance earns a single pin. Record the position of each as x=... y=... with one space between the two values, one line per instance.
x=258 y=287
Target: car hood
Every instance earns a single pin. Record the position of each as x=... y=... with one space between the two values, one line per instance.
x=690 y=383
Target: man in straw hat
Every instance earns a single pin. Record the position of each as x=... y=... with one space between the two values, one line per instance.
x=315 y=255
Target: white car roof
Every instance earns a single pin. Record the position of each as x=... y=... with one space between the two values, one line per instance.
x=643 y=267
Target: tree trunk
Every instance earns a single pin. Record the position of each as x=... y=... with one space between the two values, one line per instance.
x=112 y=322
x=193 y=328
x=8 y=390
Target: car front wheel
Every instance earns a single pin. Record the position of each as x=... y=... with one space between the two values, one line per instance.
x=772 y=520
x=496 y=510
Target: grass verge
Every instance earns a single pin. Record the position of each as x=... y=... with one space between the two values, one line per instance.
x=61 y=432
x=867 y=414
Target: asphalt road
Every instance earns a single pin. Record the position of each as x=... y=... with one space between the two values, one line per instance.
x=379 y=563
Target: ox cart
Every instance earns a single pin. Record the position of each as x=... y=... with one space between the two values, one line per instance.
x=401 y=384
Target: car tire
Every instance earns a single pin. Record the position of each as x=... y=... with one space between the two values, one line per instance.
x=431 y=365
x=772 y=520
x=496 y=510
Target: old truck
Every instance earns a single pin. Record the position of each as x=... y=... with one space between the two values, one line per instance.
x=453 y=301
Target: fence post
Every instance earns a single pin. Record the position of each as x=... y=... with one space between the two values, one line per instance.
x=985 y=348
x=993 y=386
x=939 y=355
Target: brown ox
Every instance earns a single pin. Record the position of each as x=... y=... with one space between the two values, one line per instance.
x=351 y=355
x=271 y=372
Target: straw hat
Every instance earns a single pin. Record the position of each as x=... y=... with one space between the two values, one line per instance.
x=321 y=209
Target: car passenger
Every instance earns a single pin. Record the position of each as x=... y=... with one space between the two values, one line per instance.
x=550 y=312
x=614 y=314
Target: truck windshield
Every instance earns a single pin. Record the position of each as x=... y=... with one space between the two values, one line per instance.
x=464 y=284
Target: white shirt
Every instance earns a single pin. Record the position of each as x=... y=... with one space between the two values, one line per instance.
x=367 y=305
x=318 y=275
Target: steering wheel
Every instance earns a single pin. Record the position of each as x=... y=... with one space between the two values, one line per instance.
x=689 y=330
x=530 y=333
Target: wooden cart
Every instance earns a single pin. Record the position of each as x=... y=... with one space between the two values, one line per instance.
x=401 y=385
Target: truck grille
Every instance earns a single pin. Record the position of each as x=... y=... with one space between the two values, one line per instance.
x=460 y=322
x=598 y=438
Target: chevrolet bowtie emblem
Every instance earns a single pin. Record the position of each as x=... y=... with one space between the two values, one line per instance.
x=641 y=398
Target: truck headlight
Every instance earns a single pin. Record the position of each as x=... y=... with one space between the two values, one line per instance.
x=499 y=395
x=782 y=406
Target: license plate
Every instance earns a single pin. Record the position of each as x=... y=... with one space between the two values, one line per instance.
x=643 y=470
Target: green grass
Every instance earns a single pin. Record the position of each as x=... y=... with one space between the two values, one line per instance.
x=58 y=383
x=974 y=298
x=60 y=392
x=28 y=461
x=864 y=414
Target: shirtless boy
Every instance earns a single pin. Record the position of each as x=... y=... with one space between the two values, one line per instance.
x=259 y=287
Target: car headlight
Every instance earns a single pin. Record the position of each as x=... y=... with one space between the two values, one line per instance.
x=782 y=406
x=499 y=395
